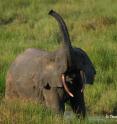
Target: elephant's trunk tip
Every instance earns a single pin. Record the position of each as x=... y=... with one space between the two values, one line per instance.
x=50 y=12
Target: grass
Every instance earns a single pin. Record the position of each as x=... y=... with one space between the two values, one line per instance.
x=28 y=112
x=25 y=112
x=92 y=26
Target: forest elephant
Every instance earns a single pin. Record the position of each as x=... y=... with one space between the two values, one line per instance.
x=52 y=78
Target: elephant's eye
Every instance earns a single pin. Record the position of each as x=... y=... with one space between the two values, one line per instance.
x=47 y=87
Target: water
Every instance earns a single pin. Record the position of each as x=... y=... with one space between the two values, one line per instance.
x=69 y=116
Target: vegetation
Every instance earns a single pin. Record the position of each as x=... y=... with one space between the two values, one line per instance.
x=17 y=112
x=92 y=26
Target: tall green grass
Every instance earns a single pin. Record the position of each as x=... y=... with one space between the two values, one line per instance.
x=28 y=112
x=92 y=26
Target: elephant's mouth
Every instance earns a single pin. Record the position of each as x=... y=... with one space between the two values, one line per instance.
x=83 y=81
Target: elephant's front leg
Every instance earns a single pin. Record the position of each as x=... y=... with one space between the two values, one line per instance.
x=78 y=105
x=54 y=99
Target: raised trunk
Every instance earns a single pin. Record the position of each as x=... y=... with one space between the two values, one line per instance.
x=66 y=42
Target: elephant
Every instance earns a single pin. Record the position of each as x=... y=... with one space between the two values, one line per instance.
x=52 y=78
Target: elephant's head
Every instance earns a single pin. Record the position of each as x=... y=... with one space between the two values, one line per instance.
x=75 y=58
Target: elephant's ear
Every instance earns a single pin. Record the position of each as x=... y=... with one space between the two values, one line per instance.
x=83 y=62
x=52 y=69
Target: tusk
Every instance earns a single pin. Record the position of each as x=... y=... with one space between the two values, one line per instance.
x=66 y=87
x=83 y=76
x=83 y=79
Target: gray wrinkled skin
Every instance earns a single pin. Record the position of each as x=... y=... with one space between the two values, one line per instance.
x=36 y=74
x=33 y=70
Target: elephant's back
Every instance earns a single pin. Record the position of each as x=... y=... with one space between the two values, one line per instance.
x=27 y=62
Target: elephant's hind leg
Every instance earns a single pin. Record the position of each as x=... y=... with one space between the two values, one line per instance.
x=10 y=91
